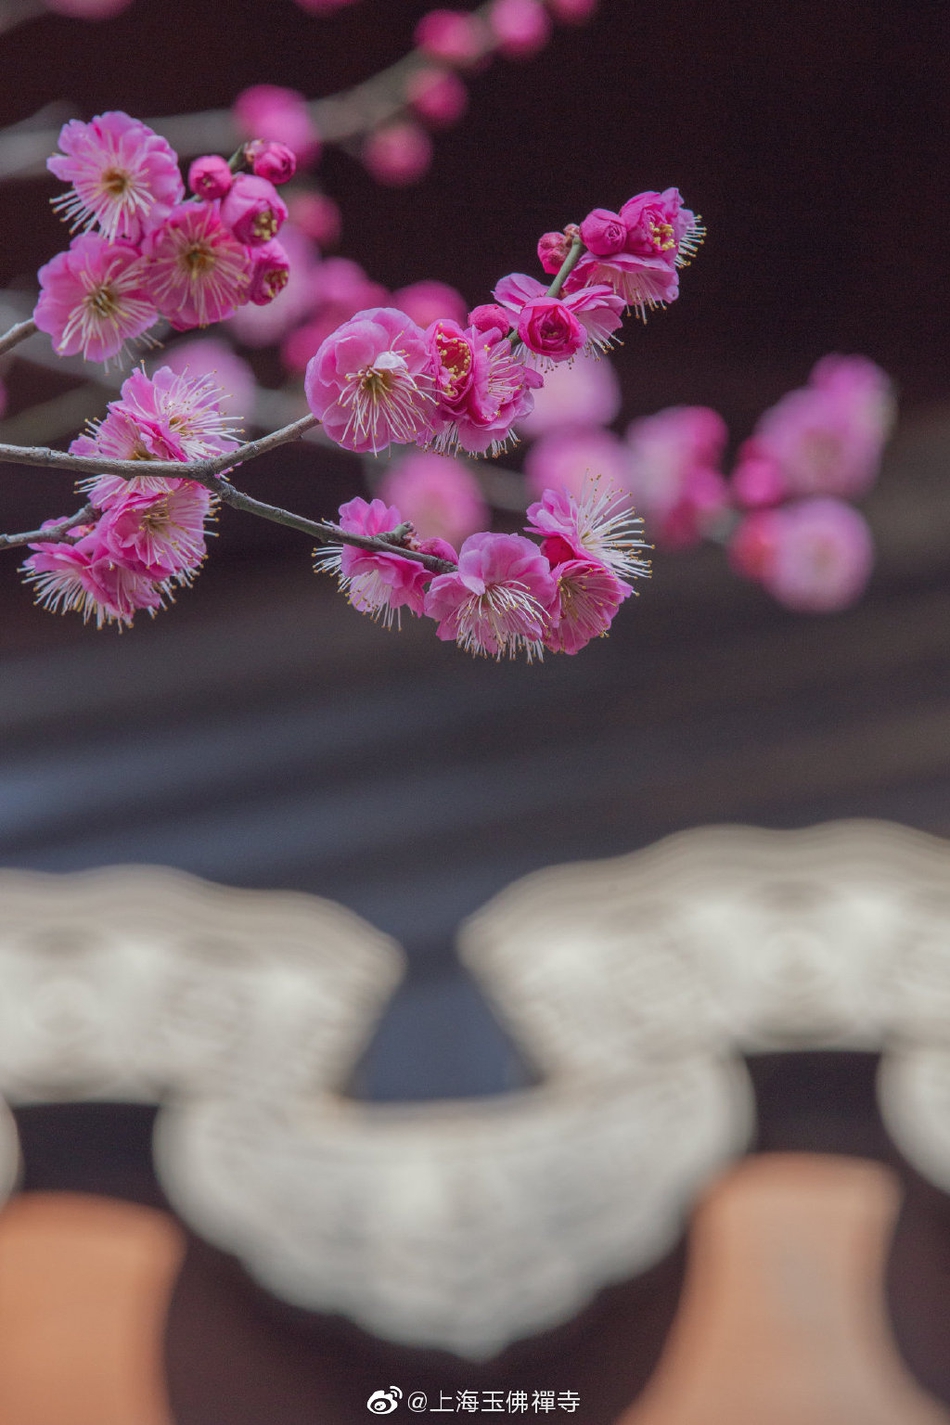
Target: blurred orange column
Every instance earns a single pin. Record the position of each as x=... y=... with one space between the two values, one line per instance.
x=85 y=1284
x=782 y=1320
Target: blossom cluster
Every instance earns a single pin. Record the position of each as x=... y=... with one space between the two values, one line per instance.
x=380 y=378
x=146 y=251
x=145 y=537
x=500 y=594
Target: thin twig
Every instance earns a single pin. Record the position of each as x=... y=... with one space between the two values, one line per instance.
x=53 y=533
x=16 y=334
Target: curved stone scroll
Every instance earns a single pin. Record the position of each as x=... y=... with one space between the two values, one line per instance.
x=634 y=984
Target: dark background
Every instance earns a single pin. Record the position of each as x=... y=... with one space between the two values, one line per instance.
x=261 y=733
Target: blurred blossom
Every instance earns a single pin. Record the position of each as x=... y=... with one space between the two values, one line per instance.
x=572 y=12
x=520 y=27
x=437 y=95
x=584 y=393
x=818 y=555
x=453 y=36
x=827 y=437
x=398 y=154
x=427 y=302
x=263 y=326
x=88 y=9
x=439 y=495
x=317 y=216
x=564 y=458
x=673 y=471
x=209 y=356
x=338 y=289
x=268 y=111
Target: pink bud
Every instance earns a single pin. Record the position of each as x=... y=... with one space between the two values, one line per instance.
x=490 y=316
x=253 y=210
x=521 y=27
x=316 y=215
x=752 y=546
x=452 y=36
x=398 y=154
x=437 y=95
x=604 y=232
x=210 y=177
x=571 y=12
x=271 y=160
x=552 y=250
x=270 y=273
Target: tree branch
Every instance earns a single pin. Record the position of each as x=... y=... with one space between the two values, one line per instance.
x=52 y=534
x=16 y=334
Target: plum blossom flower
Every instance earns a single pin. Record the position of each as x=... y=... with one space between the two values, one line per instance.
x=482 y=389
x=557 y=328
x=672 y=471
x=439 y=495
x=827 y=437
x=379 y=584
x=589 y=595
x=209 y=356
x=643 y=283
x=604 y=233
x=159 y=533
x=371 y=382
x=196 y=270
x=585 y=393
x=253 y=210
x=271 y=160
x=81 y=576
x=658 y=225
x=521 y=27
x=270 y=274
x=498 y=601
x=210 y=177
x=568 y=455
x=821 y=555
x=120 y=170
x=598 y=524
x=93 y=298
x=183 y=410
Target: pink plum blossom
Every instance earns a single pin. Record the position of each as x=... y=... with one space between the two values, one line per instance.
x=371 y=382
x=197 y=272
x=271 y=160
x=588 y=597
x=379 y=584
x=120 y=170
x=210 y=177
x=821 y=557
x=598 y=524
x=584 y=393
x=563 y=459
x=93 y=298
x=269 y=111
x=521 y=27
x=81 y=576
x=642 y=282
x=481 y=388
x=439 y=495
x=253 y=210
x=158 y=533
x=437 y=96
x=604 y=233
x=183 y=410
x=827 y=437
x=557 y=328
x=426 y=302
x=490 y=316
x=499 y=599
x=454 y=36
x=659 y=226
x=398 y=154
x=672 y=471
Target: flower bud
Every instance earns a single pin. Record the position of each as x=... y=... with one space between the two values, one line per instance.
x=604 y=232
x=552 y=250
x=210 y=177
x=521 y=27
x=437 y=95
x=270 y=273
x=271 y=160
x=490 y=316
x=253 y=210
x=452 y=36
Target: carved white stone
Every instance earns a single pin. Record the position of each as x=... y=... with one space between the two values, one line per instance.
x=632 y=984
